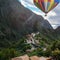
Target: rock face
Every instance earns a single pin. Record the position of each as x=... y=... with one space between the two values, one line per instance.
x=58 y=30
x=34 y=58
x=19 y=18
x=25 y=57
x=57 y=33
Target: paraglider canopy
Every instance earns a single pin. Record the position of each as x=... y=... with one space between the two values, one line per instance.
x=46 y=5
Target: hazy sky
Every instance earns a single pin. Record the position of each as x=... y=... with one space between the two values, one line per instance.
x=53 y=16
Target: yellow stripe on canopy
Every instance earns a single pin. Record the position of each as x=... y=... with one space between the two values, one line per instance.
x=51 y=3
x=36 y=0
x=45 y=0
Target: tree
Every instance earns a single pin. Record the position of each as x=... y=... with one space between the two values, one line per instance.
x=56 y=54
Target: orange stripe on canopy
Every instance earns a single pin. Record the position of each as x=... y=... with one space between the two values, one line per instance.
x=49 y=0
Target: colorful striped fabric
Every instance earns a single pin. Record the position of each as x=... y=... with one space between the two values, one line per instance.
x=46 y=5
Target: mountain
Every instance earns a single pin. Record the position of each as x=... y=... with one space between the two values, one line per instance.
x=58 y=29
x=17 y=21
x=16 y=16
x=57 y=33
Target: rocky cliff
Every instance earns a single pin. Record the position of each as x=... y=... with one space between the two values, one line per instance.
x=19 y=18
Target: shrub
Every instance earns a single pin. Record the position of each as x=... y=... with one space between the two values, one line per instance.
x=56 y=54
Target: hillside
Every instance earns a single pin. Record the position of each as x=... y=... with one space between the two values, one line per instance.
x=15 y=16
x=16 y=22
x=13 y=20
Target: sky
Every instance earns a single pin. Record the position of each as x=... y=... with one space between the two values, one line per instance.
x=53 y=16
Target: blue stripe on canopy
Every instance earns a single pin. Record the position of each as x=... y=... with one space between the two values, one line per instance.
x=56 y=1
x=43 y=5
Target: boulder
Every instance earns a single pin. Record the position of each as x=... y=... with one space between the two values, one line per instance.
x=25 y=57
x=45 y=58
x=34 y=58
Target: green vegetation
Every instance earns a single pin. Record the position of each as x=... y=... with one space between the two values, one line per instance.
x=12 y=42
x=7 y=54
x=11 y=45
x=12 y=48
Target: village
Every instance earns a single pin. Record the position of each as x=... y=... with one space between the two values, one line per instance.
x=34 y=44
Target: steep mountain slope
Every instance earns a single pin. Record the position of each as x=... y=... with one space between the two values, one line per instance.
x=57 y=33
x=58 y=29
x=15 y=15
x=16 y=21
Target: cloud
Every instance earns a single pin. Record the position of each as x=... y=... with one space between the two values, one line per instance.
x=55 y=20
x=53 y=16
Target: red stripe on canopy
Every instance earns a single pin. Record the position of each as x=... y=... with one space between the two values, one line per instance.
x=49 y=0
x=41 y=0
x=34 y=0
x=40 y=4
